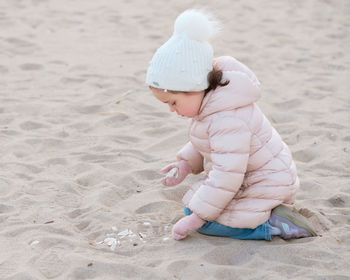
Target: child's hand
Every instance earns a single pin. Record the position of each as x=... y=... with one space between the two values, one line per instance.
x=183 y=169
x=186 y=224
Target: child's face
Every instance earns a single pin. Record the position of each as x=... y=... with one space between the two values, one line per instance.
x=183 y=103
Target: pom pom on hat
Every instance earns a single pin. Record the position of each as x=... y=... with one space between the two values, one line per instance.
x=184 y=61
x=197 y=24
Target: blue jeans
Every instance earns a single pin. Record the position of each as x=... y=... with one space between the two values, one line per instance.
x=216 y=229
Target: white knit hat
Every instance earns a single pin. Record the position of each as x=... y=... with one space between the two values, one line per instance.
x=184 y=61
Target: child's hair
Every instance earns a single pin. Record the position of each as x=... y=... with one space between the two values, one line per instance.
x=214 y=79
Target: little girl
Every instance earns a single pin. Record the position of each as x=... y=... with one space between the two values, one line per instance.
x=251 y=179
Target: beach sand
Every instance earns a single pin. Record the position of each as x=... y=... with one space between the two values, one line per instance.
x=82 y=140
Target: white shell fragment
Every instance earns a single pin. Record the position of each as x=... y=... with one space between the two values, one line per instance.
x=114 y=240
x=35 y=242
x=114 y=245
x=124 y=233
x=173 y=173
x=109 y=241
x=114 y=228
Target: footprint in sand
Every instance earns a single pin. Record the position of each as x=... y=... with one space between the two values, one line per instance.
x=164 y=206
x=92 y=178
x=110 y=196
x=78 y=212
x=5 y=208
x=280 y=117
x=30 y=125
x=51 y=265
x=20 y=276
x=72 y=81
x=116 y=120
x=82 y=225
x=155 y=132
x=178 y=267
x=84 y=273
x=314 y=95
x=230 y=255
x=146 y=174
x=31 y=66
x=339 y=200
x=228 y=273
x=175 y=194
x=68 y=200
x=19 y=46
x=5 y=187
x=3 y=69
x=56 y=161
x=90 y=109
x=125 y=139
x=290 y=104
x=305 y=155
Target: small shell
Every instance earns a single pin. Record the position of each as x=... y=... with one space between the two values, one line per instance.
x=114 y=228
x=35 y=242
x=109 y=241
x=147 y=224
x=123 y=233
x=114 y=245
x=173 y=173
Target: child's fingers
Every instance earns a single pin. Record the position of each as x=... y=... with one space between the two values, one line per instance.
x=169 y=181
x=178 y=231
x=177 y=236
x=164 y=181
x=167 y=168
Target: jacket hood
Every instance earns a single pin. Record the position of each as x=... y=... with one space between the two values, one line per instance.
x=243 y=88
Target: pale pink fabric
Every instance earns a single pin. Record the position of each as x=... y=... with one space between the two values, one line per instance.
x=249 y=168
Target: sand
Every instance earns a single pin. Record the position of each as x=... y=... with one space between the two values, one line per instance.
x=82 y=140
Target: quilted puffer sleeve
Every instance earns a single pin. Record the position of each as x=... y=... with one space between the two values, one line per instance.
x=229 y=143
x=194 y=158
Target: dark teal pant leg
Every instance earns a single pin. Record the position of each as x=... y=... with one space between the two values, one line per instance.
x=262 y=232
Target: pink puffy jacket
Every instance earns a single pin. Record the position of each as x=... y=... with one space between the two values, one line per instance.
x=249 y=168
